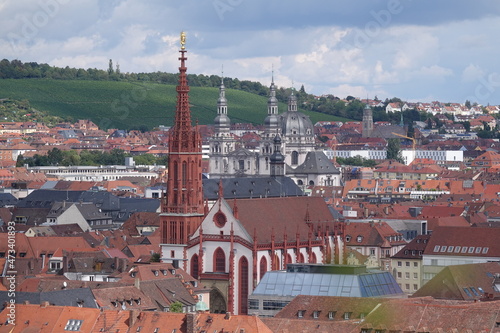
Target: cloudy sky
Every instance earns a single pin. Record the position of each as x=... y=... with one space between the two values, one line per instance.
x=418 y=50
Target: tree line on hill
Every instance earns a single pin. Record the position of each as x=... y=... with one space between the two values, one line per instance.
x=71 y=157
x=350 y=108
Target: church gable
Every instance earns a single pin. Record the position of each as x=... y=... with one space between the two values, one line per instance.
x=220 y=219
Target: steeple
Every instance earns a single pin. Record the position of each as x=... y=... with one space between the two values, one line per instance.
x=182 y=207
x=272 y=102
x=222 y=122
x=292 y=102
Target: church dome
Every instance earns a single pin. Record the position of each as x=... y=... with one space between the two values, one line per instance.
x=295 y=123
x=271 y=121
x=222 y=120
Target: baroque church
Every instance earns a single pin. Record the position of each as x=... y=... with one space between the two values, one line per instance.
x=229 y=246
x=290 y=134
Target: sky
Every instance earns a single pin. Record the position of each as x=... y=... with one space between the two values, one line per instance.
x=417 y=50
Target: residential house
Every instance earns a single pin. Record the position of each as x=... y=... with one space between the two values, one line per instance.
x=374 y=239
x=407 y=266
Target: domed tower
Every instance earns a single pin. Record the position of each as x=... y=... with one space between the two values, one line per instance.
x=222 y=141
x=297 y=133
x=271 y=128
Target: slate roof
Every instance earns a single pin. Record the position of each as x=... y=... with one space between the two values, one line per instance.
x=7 y=199
x=67 y=297
x=316 y=162
x=251 y=187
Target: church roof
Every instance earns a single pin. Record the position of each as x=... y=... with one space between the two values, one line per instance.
x=316 y=162
x=251 y=187
x=284 y=215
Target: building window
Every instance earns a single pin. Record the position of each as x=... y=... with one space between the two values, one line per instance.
x=347 y=315
x=407 y=286
x=194 y=266
x=315 y=314
x=300 y=313
x=400 y=275
x=219 y=260
x=295 y=158
x=400 y=263
x=331 y=315
x=263 y=266
x=407 y=264
x=415 y=275
x=372 y=252
x=415 y=264
x=407 y=275
x=415 y=287
x=359 y=239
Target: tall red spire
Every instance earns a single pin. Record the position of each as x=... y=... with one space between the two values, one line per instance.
x=182 y=208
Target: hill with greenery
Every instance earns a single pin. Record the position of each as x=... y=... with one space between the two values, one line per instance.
x=127 y=105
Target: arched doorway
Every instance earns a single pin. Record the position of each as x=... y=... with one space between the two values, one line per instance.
x=217 y=301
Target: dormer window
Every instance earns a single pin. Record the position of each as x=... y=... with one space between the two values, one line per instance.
x=156 y=273
x=348 y=238
x=300 y=313
x=315 y=314
x=331 y=315
x=359 y=239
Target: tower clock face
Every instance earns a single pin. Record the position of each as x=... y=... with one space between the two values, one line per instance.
x=220 y=219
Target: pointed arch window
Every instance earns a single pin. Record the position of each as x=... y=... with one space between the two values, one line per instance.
x=243 y=275
x=263 y=267
x=219 y=260
x=194 y=266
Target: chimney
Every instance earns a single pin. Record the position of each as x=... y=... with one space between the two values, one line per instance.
x=190 y=322
x=132 y=319
x=44 y=304
x=137 y=283
x=227 y=316
x=386 y=210
x=117 y=264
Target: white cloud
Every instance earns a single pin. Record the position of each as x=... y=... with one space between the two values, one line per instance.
x=472 y=73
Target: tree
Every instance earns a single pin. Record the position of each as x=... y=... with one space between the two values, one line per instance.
x=110 y=68
x=176 y=307
x=155 y=257
x=394 y=150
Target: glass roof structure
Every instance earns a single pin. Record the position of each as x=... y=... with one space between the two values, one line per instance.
x=368 y=284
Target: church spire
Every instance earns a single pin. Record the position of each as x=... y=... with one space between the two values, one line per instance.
x=292 y=102
x=272 y=102
x=183 y=209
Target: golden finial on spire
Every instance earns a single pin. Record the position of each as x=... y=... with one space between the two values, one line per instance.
x=183 y=40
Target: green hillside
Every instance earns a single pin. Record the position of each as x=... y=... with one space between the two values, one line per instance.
x=125 y=105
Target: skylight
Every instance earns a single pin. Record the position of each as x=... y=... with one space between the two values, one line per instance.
x=73 y=325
